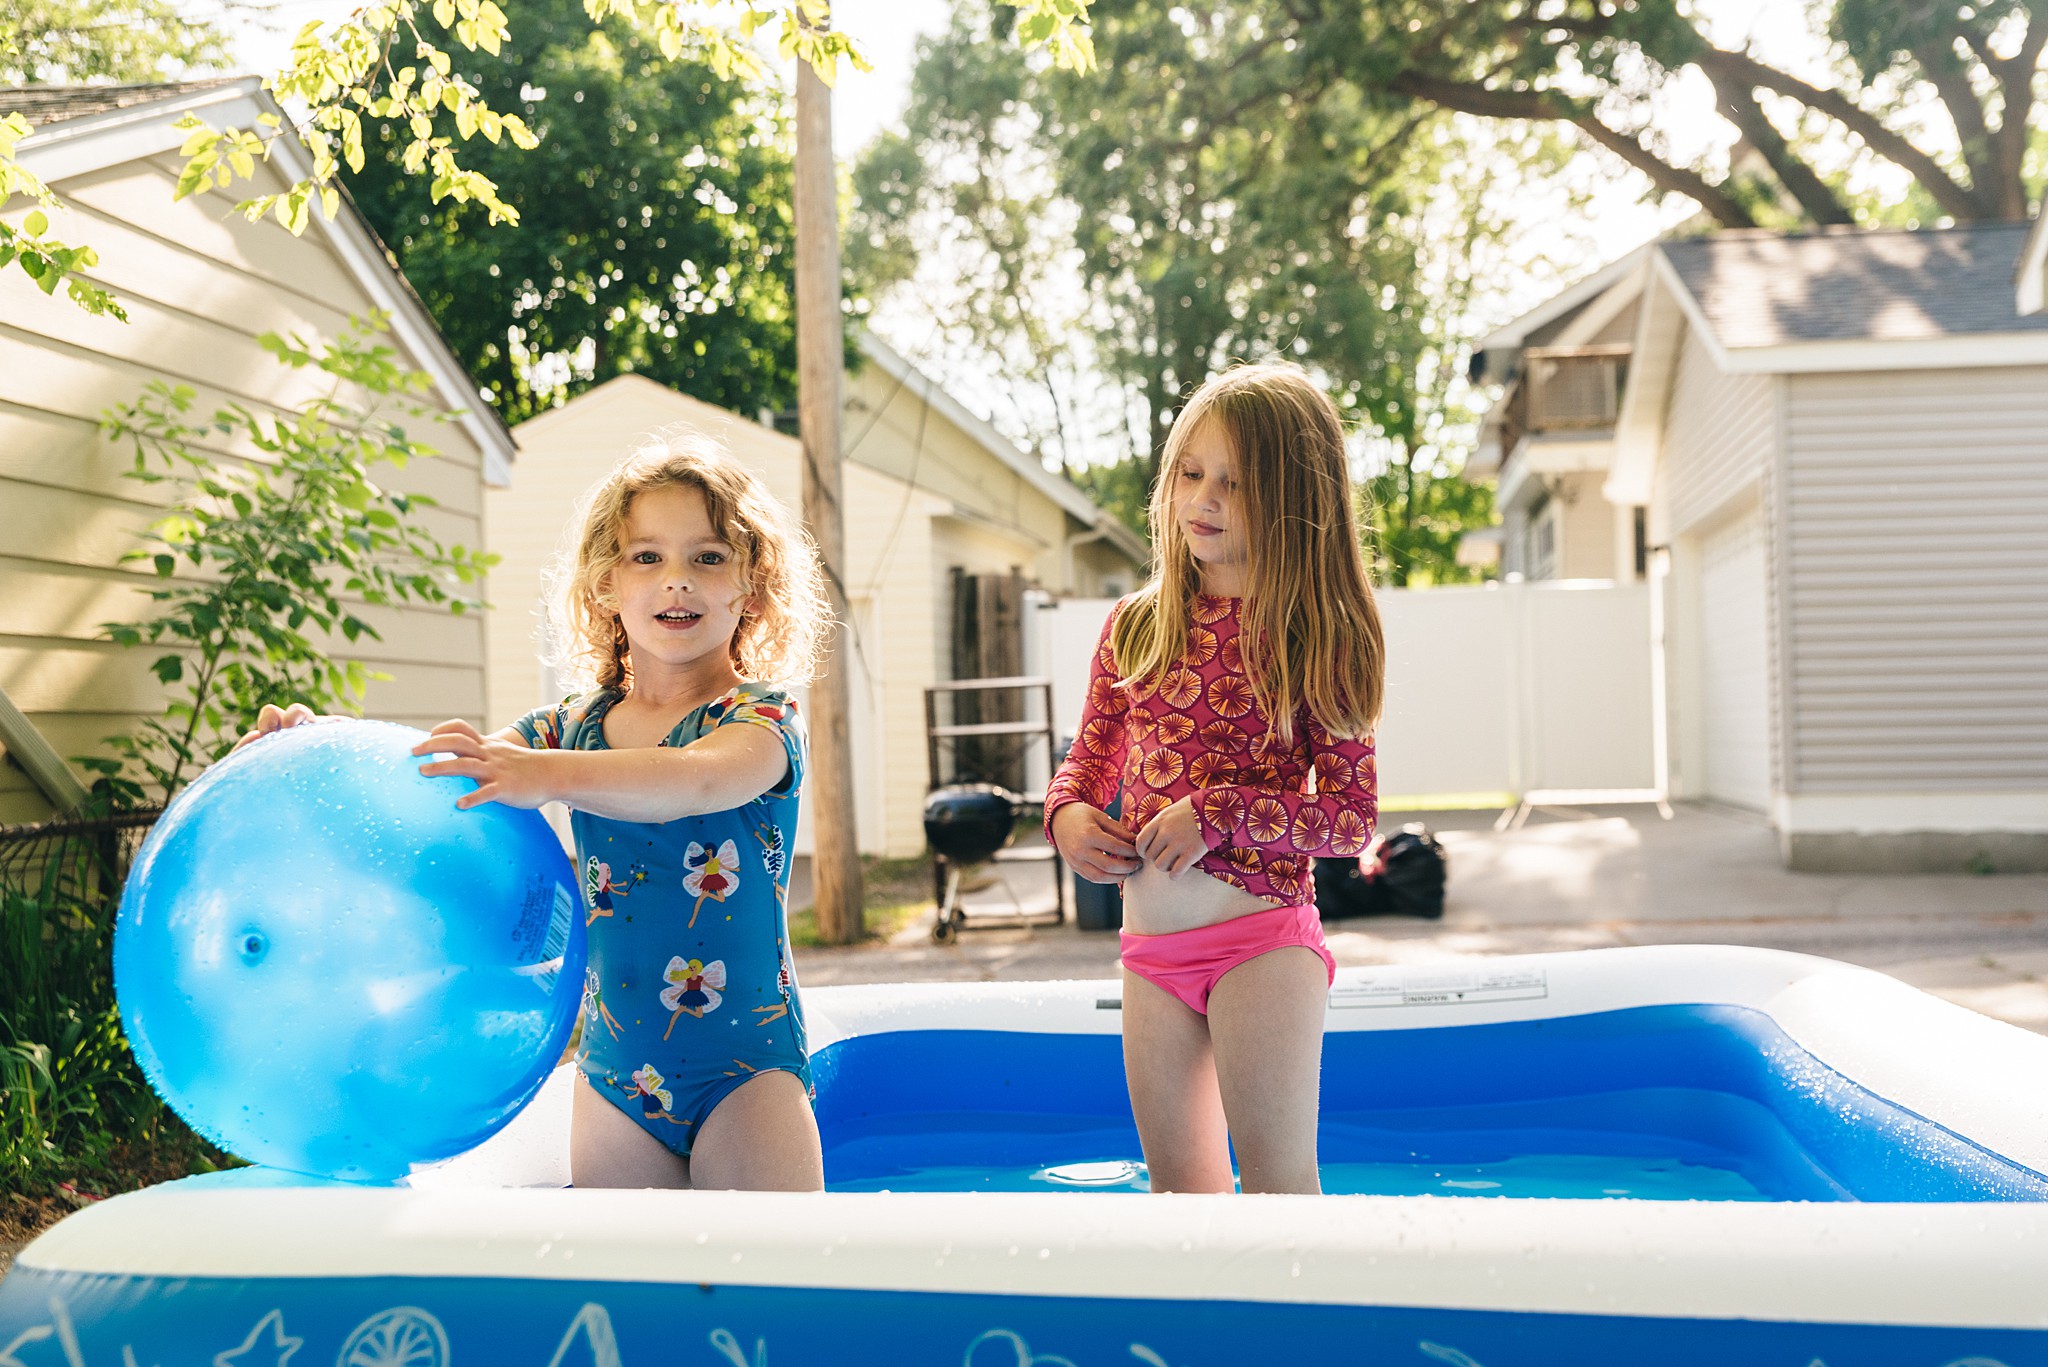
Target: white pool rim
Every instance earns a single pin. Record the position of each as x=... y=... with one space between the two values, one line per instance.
x=1978 y=1265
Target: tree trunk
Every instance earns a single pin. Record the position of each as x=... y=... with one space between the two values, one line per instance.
x=821 y=367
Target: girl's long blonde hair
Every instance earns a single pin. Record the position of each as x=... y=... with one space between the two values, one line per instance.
x=782 y=630
x=1310 y=626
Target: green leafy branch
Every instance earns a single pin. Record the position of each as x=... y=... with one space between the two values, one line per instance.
x=46 y=260
x=390 y=61
x=294 y=543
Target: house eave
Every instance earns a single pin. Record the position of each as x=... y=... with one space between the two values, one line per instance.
x=1653 y=354
x=1511 y=336
x=74 y=147
x=1970 y=352
x=1069 y=499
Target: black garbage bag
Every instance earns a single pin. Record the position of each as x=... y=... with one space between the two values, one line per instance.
x=1400 y=874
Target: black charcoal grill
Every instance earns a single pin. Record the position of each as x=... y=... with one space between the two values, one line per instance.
x=967 y=818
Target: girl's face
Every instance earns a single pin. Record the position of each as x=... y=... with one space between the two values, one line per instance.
x=1208 y=510
x=678 y=585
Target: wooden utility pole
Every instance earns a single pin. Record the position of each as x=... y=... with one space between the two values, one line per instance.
x=820 y=372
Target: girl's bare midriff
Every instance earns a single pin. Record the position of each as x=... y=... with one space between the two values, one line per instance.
x=1157 y=903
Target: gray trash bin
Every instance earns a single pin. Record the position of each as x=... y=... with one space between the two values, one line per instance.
x=1099 y=906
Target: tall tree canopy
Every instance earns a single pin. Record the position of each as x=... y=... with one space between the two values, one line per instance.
x=1193 y=205
x=1591 y=65
x=1209 y=213
x=655 y=224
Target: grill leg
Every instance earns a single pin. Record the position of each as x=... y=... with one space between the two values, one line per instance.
x=946 y=924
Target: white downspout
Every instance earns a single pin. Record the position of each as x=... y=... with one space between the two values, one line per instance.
x=1078 y=539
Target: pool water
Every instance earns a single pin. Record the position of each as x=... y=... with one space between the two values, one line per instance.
x=1483 y=1151
x=1539 y=1174
x=1653 y=1103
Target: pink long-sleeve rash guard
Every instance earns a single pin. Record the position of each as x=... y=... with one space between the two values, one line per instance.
x=1196 y=732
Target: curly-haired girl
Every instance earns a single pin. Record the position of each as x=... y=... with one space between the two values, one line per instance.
x=688 y=600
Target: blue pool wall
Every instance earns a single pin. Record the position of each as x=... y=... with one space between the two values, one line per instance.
x=592 y=1324
x=1712 y=1078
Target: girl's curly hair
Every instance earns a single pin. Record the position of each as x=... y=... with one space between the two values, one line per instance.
x=780 y=634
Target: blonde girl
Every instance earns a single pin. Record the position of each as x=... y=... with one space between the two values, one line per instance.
x=689 y=602
x=1231 y=701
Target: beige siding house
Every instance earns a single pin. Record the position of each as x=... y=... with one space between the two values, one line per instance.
x=929 y=489
x=199 y=285
x=1838 y=444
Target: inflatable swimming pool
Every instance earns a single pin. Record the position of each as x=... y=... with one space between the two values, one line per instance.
x=1667 y=1155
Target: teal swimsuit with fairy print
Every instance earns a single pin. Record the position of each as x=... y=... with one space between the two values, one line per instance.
x=690 y=990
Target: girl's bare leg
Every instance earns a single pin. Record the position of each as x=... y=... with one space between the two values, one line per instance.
x=1172 y=1077
x=1266 y=1027
x=762 y=1137
x=607 y=1149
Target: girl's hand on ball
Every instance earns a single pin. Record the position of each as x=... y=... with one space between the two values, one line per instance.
x=1172 y=841
x=1094 y=843
x=505 y=771
x=274 y=718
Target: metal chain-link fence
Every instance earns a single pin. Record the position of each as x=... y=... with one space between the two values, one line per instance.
x=87 y=855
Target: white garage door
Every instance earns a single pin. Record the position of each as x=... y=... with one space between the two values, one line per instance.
x=1735 y=664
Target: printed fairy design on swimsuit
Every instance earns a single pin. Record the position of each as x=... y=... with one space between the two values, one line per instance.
x=713 y=876
x=599 y=887
x=694 y=988
x=775 y=860
x=655 y=1100
x=594 y=1008
x=785 y=987
x=687 y=1003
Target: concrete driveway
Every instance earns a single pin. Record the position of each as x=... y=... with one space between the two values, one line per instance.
x=1584 y=878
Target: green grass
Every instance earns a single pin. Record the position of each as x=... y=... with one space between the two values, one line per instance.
x=894 y=892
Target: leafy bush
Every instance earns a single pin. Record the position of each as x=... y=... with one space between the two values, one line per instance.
x=281 y=550
x=278 y=549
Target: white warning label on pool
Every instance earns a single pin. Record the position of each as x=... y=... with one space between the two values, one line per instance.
x=1440 y=987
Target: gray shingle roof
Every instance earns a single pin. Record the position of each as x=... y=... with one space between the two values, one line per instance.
x=1761 y=289
x=45 y=104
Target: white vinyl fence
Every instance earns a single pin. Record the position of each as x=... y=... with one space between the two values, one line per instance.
x=1494 y=692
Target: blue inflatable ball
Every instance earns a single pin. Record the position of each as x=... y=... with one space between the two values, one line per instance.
x=324 y=966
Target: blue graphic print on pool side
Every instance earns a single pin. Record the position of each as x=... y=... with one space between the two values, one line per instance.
x=58 y=1320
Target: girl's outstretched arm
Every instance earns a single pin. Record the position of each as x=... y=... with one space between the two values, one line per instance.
x=727 y=768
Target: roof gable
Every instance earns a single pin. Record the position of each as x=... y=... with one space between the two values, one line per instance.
x=1062 y=493
x=1511 y=337
x=91 y=128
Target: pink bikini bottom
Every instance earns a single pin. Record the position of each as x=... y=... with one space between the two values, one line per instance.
x=1189 y=963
